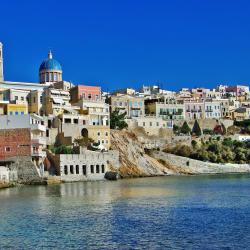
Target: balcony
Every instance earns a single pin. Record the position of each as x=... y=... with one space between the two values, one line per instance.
x=39 y=153
x=38 y=127
x=39 y=140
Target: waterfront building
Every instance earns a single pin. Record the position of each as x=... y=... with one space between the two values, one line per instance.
x=88 y=165
x=22 y=135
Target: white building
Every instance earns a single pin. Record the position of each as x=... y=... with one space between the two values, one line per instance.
x=213 y=109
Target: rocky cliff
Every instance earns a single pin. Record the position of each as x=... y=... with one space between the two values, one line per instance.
x=134 y=162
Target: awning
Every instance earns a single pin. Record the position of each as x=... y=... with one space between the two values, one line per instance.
x=57 y=100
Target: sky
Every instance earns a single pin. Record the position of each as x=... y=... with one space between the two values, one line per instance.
x=116 y=44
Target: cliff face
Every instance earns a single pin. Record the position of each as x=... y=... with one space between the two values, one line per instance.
x=133 y=160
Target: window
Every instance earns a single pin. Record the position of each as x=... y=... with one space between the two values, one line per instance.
x=98 y=133
x=7 y=149
x=66 y=170
x=103 y=168
x=71 y=169
x=16 y=98
x=89 y=96
x=77 y=169
x=22 y=98
x=157 y=124
x=143 y=124
x=47 y=77
x=83 y=122
x=41 y=99
x=150 y=124
x=75 y=121
x=92 y=169
x=47 y=133
x=34 y=99
x=16 y=113
x=84 y=169
x=102 y=141
x=106 y=133
x=67 y=120
x=22 y=113
x=97 y=169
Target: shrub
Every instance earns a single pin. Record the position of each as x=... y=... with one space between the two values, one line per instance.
x=185 y=129
x=196 y=129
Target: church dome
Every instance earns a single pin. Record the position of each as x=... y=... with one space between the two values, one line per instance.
x=50 y=64
x=50 y=70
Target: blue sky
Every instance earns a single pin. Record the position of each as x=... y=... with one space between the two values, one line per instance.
x=116 y=43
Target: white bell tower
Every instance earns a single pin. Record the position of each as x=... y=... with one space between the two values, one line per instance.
x=1 y=63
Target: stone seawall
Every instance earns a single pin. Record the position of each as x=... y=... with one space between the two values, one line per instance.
x=27 y=172
x=183 y=165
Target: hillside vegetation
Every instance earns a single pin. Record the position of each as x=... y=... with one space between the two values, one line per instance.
x=215 y=150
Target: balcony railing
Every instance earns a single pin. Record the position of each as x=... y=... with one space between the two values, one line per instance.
x=39 y=153
x=38 y=127
x=39 y=140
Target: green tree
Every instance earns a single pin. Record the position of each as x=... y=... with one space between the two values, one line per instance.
x=117 y=120
x=83 y=141
x=62 y=150
x=194 y=143
x=185 y=129
x=196 y=129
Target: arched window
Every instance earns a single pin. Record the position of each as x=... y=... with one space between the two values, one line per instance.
x=85 y=133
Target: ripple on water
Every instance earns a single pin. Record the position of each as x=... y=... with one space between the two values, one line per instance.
x=207 y=212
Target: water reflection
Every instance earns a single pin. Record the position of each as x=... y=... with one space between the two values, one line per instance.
x=149 y=213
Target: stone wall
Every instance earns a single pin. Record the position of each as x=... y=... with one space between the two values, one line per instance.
x=185 y=165
x=27 y=172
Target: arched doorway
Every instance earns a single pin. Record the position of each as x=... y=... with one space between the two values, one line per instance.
x=85 y=133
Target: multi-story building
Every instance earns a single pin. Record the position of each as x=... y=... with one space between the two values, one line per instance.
x=23 y=135
x=212 y=109
x=237 y=90
x=166 y=108
x=55 y=101
x=91 y=93
x=194 y=109
x=97 y=126
x=132 y=105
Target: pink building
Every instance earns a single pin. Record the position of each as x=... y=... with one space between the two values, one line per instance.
x=237 y=90
x=194 y=109
x=92 y=93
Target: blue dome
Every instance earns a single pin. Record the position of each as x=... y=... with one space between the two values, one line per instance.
x=50 y=64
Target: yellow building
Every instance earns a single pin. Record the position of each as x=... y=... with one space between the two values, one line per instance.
x=15 y=109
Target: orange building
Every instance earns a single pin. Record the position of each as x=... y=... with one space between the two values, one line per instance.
x=91 y=93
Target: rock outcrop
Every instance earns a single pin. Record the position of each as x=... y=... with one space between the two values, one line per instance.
x=134 y=162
